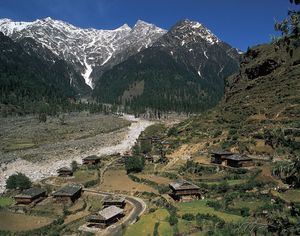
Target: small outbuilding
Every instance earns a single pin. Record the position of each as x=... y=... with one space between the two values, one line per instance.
x=68 y=193
x=183 y=188
x=106 y=217
x=64 y=172
x=91 y=160
x=114 y=201
x=238 y=160
x=30 y=195
x=218 y=156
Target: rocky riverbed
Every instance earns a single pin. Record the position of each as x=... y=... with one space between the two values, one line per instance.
x=43 y=161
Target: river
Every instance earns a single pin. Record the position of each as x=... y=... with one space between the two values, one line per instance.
x=46 y=168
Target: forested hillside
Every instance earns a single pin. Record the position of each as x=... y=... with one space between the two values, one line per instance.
x=28 y=81
x=183 y=71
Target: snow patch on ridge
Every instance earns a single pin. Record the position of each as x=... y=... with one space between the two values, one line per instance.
x=86 y=75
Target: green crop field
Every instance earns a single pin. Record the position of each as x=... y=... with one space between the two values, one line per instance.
x=145 y=226
x=6 y=201
x=200 y=206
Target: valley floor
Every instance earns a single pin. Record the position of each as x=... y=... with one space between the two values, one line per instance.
x=39 y=149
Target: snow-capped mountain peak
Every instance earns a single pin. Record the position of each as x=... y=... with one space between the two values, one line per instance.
x=85 y=49
x=191 y=29
x=124 y=27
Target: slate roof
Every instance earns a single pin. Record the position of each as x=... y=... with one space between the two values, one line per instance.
x=109 y=199
x=64 y=169
x=183 y=185
x=221 y=152
x=238 y=157
x=30 y=193
x=67 y=191
x=106 y=213
x=91 y=158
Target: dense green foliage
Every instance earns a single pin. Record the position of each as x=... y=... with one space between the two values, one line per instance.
x=74 y=166
x=26 y=81
x=18 y=181
x=134 y=164
x=175 y=87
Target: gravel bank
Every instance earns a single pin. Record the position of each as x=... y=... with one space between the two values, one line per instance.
x=56 y=155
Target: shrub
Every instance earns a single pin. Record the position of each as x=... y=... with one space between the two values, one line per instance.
x=134 y=164
x=155 y=231
x=214 y=204
x=18 y=181
x=42 y=117
x=173 y=219
x=223 y=187
x=232 y=131
x=162 y=189
x=217 y=133
x=172 y=131
x=74 y=166
x=188 y=217
x=245 y=211
x=146 y=146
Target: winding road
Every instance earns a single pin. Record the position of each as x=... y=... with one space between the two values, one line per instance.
x=139 y=206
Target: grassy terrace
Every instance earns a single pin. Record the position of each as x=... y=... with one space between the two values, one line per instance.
x=145 y=226
x=6 y=201
x=200 y=206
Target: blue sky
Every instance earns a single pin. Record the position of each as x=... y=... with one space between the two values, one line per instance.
x=241 y=23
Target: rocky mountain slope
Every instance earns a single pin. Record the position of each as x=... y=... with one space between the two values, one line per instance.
x=89 y=51
x=260 y=112
x=185 y=69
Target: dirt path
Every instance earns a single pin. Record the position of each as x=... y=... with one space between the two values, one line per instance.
x=123 y=140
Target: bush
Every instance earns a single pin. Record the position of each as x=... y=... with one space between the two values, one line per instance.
x=232 y=131
x=245 y=211
x=74 y=166
x=172 y=131
x=162 y=189
x=217 y=133
x=42 y=117
x=155 y=231
x=134 y=164
x=188 y=217
x=146 y=146
x=173 y=219
x=214 y=204
x=223 y=187
x=18 y=181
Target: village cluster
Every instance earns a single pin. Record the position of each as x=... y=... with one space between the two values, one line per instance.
x=113 y=205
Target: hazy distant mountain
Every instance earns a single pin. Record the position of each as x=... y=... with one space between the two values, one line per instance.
x=89 y=51
x=183 y=70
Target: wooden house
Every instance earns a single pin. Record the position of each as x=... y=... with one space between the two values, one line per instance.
x=30 y=195
x=183 y=188
x=114 y=201
x=91 y=160
x=238 y=160
x=68 y=193
x=64 y=172
x=106 y=217
x=218 y=156
x=149 y=158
